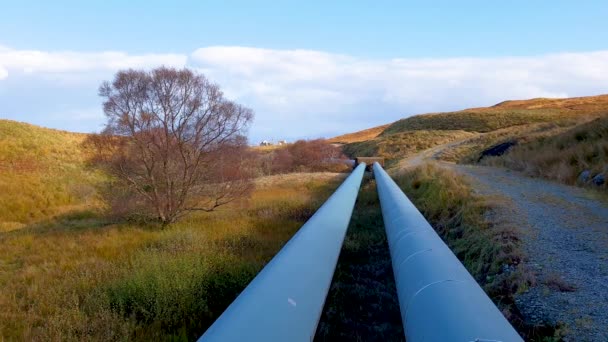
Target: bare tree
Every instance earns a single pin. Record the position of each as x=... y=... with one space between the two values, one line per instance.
x=173 y=142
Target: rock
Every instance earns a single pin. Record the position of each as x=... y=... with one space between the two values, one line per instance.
x=498 y=150
x=599 y=179
x=584 y=176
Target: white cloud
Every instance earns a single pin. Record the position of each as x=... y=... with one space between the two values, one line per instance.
x=312 y=90
x=33 y=61
x=306 y=93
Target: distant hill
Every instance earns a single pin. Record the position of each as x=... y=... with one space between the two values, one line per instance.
x=478 y=127
x=363 y=135
x=42 y=173
x=503 y=115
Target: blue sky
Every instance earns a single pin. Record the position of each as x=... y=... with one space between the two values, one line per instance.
x=307 y=68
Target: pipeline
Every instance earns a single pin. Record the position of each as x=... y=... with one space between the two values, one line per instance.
x=439 y=299
x=285 y=300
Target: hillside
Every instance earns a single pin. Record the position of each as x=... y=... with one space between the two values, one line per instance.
x=68 y=273
x=42 y=173
x=578 y=154
x=359 y=136
x=505 y=114
x=479 y=128
x=399 y=145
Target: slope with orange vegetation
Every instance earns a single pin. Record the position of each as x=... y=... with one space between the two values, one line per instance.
x=506 y=114
x=359 y=136
x=586 y=104
x=486 y=126
x=43 y=172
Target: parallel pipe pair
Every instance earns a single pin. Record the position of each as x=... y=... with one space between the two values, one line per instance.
x=439 y=299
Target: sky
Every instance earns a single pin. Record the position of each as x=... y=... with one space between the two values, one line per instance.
x=308 y=69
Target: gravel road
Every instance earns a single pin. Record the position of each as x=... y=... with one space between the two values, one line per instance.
x=566 y=238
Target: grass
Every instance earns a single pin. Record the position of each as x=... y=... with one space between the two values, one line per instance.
x=562 y=156
x=78 y=277
x=471 y=121
x=504 y=115
x=484 y=127
x=268 y=148
x=362 y=302
x=469 y=150
x=401 y=145
x=42 y=173
x=557 y=283
x=366 y=134
x=490 y=251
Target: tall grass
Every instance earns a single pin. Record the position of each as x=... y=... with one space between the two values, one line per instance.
x=366 y=134
x=563 y=156
x=42 y=173
x=505 y=114
x=469 y=151
x=403 y=144
x=473 y=121
x=77 y=277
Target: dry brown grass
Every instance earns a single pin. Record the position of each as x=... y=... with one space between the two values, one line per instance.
x=78 y=277
x=579 y=105
x=68 y=273
x=469 y=150
x=557 y=283
x=42 y=173
x=366 y=134
x=505 y=114
x=524 y=120
x=298 y=178
x=401 y=145
x=268 y=148
x=561 y=156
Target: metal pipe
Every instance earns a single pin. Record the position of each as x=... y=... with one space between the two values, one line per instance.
x=439 y=299
x=285 y=300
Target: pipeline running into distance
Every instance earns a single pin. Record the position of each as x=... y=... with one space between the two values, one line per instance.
x=285 y=300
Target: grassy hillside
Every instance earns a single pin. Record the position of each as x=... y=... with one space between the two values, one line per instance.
x=399 y=145
x=79 y=278
x=68 y=273
x=42 y=173
x=363 y=135
x=564 y=156
x=473 y=130
x=503 y=115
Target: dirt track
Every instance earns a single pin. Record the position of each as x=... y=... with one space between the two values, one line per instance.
x=565 y=235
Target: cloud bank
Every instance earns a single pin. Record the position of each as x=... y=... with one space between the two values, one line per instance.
x=32 y=61
x=303 y=93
